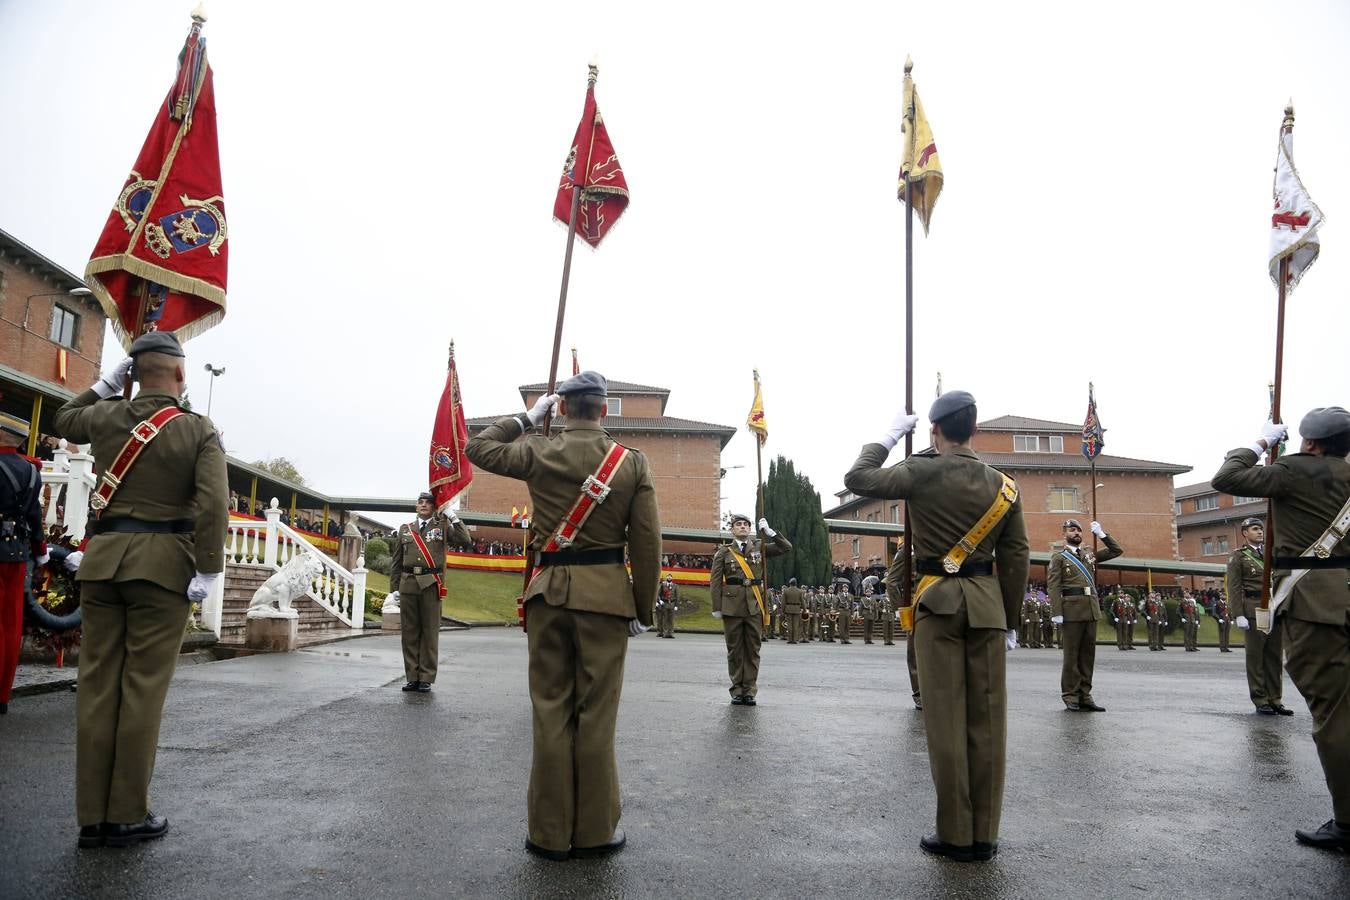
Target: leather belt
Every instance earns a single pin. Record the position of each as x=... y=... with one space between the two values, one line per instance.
x=1312 y=562
x=1252 y=595
x=1076 y=592
x=124 y=525
x=581 y=557
x=424 y=570
x=933 y=566
x=744 y=582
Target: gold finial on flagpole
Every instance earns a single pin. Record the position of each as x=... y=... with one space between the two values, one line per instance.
x=1288 y=115
x=199 y=13
x=909 y=63
x=593 y=68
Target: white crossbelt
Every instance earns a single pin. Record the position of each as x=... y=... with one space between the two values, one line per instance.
x=1322 y=549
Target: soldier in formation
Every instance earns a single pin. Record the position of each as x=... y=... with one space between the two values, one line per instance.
x=1224 y=621
x=1029 y=630
x=1310 y=602
x=886 y=610
x=1154 y=612
x=1189 y=611
x=667 y=604
x=843 y=607
x=775 y=616
x=793 y=603
x=736 y=583
x=1242 y=582
x=1050 y=633
x=1072 y=585
x=869 y=610
x=1120 y=617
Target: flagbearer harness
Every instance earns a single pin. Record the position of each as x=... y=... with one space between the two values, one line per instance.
x=956 y=557
x=141 y=436
x=1318 y=556
x=594 y=491
x=753 y=582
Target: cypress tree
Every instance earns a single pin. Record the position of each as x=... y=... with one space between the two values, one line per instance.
x=792 y=506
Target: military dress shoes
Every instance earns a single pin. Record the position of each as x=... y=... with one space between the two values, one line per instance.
x=544 y=852
x=1331 y=836
x=1282 y=709
x=929 y=843
x=1073 y=707
x=737 y=701
x=424 y=687
x=1090 y=706
x=747 y=700
x=984 y=851
x=91 y=836
x=1266 y=709
x=124 y=835
x=613 y=845
x=410 y=686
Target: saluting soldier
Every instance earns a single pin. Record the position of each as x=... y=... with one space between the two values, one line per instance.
x=21 y=540
x=792 y=610
x=1224 y=620
x=894 y=592
x=1242 y=581
x=736 y=583
x=580 y=606
x=1072 y=585
x=1310 y=493
x=156 y=548
x=869 y=613
x=417 y=572
x=967 y=606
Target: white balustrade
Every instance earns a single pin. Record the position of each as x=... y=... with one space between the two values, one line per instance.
x=74 y=472
x=270 y=545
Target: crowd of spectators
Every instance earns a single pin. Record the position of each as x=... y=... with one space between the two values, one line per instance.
x=687 y=560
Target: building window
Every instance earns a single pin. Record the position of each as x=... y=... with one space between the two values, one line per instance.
x=1056 y=443
x=1064 y=499
x=857 y=547
x=1204 y=503
x=1178 y=507
x=1207 y=546
x=895 y=513
x=63 y=326
x=1223 y=543
x=1026 y=443
x=1237 y=501
x=615 y=405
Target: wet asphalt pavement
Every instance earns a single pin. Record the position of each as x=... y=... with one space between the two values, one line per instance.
x=311 y=775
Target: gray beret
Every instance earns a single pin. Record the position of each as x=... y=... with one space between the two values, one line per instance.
x=1072 y=523
x=1250 y=521
x=948 y=403
x=427 y=495
x=587 y=382
x=737 y=517
x=1324 y=422
x=156 y=342
x=13 y=425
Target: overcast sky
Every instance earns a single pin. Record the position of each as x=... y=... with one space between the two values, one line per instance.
x=389 y=180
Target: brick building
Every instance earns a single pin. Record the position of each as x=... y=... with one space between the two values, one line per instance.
x=685 y=458
x=47 y=318
x=1207 y=523
x=1134 y=502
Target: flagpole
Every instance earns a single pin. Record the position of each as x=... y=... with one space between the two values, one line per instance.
x=907 y=585
x=1092 y=468
x=1263 y=611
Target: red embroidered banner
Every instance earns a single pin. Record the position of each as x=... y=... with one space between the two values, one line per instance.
x=160 y=263
x=592 y=166
x=450 y=470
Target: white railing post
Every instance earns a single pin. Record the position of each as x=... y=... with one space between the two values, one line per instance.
x=359 y=594
x=78 y=489
x=213 y=607
x=270 y=546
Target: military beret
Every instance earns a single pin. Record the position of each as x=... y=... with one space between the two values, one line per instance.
x=1072 y=523
x=1250 y=521
x=427 y=495
x=587 y=382
x=737 y=517
x=1324 y=422
x=948 y=403
x=792 y=581
x=156 y=342
x=13 y=425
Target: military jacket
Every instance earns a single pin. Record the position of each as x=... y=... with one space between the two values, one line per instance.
x=1242 y=580
x=179 y=475
x=1308 y=491
x=792 y=601
x=948 y=493
x=406 y=561
x=729 y=596
x=1063 y=573
x=554 y=469
x=21 y=510
x=869 y=609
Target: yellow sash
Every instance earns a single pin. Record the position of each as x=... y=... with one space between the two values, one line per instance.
x=1006 y=497
x=750 y=576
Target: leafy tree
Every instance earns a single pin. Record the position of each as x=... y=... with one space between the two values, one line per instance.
x=282 y=468
x=792 y=506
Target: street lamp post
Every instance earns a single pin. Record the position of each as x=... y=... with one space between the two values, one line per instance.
x=210 y=394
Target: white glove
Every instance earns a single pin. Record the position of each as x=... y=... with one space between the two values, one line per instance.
x=901 y=425
x=1096 y=528
x=542 y=407
x=73 y=561
x=1011 y=640
x=1148 y=618
x=1058 y=620
x=42 y=560
x=716 y=614
x=1221 y=621
x=635 y=628
x=391 y=597
x=200 y=586
x=1271 y=434
x=764 y=527
x=110 y=385
x=1241 y=622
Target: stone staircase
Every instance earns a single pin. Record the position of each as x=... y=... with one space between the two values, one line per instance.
x=241 y=581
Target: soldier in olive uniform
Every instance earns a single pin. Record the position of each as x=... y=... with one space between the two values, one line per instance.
x=843 y=601
x=1155 y=619
x=1242 y=581
x=965 y=621
x=581 y=606
x=775 y=616
x=1310 y=492
x=1120 y=617
x=419 y=587
x=1072 y=585
x=667 y=603
x=1131 y=616
x=869 y=613
x=157 y=548
x=734 y=601
x=1050 y=633
x=1189 y=611
x=886 y=610
x=894 y=592
x=1029 y=621
x=1224 y=620
x=792 y=610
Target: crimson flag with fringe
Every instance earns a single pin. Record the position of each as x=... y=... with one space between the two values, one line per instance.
x=450 y=471
x=593 y=166
x=160 y=263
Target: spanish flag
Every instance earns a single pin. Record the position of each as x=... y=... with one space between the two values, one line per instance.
x=920 y=166
x=755 y=421
x=515 y=517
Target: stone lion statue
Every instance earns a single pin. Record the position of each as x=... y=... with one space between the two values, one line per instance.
x=290 y=581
